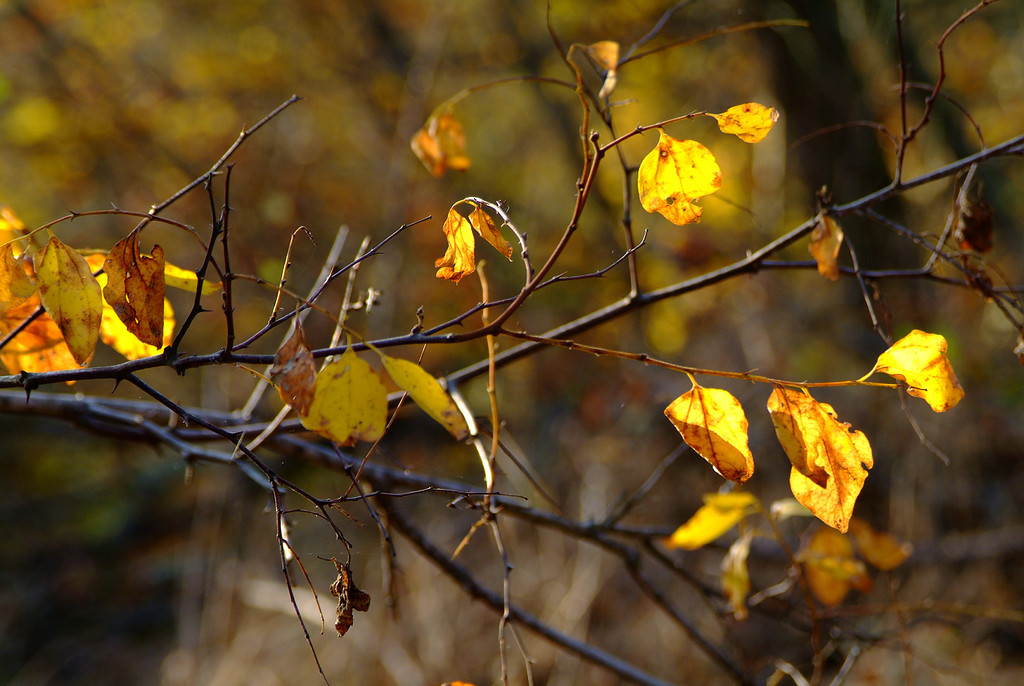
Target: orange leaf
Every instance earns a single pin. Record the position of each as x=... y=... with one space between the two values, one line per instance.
x=826 y=239
x=349 y=402
x=879 y=549
x=830 y=461
x=135 y=288
x=40 y=347
x=10 y=226
x=606 y=54
x=294 y=373
x=71 y=295
x=674 y=175
x=830 y=567
x=750 y=122
x=919 y=359
x=712 y=422
x=441 y=145
x=460 y=257
x=16 y=284
x=719 y=513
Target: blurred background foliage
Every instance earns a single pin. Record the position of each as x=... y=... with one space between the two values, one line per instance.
x=118 y=570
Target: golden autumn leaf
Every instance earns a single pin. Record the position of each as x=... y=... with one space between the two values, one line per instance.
x=735 y=575
x=460 y=257
x=826 y=240
x=919 y=359
x=750 y=122
x=712 y=422
x=10 y=226
x=719 y=513
x=349 y=402
x=427 y=392
x=294 y=372
x=135 y=288
x=676 y=174
x=185 y=280
x=830 y=567
x=879 y=549
x=16 y=284
x=606 y=54
x=40 y=347
x=71 y=296
x=441 y=145
x=830 y=461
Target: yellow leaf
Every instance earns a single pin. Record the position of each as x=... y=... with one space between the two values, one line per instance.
x=920 y=360
x=71 y=295
x=10 y=226
x=736 y=576
x=830 y=567
x=719 y=513
x=830 y=461
x=426 y=391
x=16 y=284
x=712 y=422
x=460 y=257
x=606 y=54
x=441 y=145
x=674 y=175
x=185 y=280
x=135 y=288
x=879 y=549
x=294 y=373
x=751 y=121
x=349 y=402
x=826 y=239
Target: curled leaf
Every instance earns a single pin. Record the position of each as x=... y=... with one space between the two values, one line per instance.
x=606 y=54
x=826 y=240
x=919 y=359
x=441 y=145
x=460 y=257
x=349 y=598
x=676 y=174
x=750 y=122
x=712 y=422
x=71 y=295
x=294 y=373
x=830 y=461
x=135 y=288
x=719 y=513
x=426 y=391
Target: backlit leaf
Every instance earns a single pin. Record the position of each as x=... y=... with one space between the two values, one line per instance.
x=879 y=549
x=830 y=461
x=40 y=347
x=294 y=372
x=71 y=295
x=719 y=513
x=826 y=240
x=750 y=122
x=349 y=402
x=674 y=175
x=606 y=54
x=16 y=284
x=830 y=567
x=441 y=145
x=919 y=359
x=135 y=288
x=712 y=422
x=113 y=331
x=460 y=257
x=426 y=391
x=185 y=280
x=736 y=576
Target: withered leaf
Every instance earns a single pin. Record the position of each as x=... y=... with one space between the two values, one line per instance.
x=826 y=240
x=135 y=288
x=349 y=598
x=975 y=227
x=441 y=145
x=294 y=373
